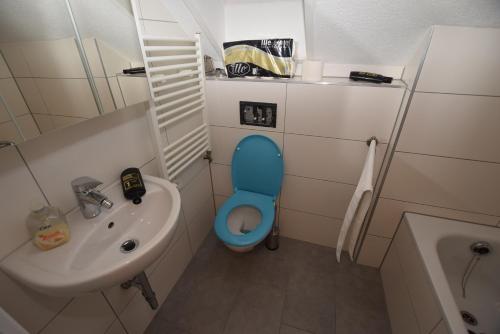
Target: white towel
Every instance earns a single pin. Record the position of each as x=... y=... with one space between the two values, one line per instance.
x=358 y=206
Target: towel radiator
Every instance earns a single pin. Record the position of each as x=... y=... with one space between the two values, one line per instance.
x=175 y=76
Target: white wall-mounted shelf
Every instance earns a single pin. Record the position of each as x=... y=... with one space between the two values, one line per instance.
x=340 y=81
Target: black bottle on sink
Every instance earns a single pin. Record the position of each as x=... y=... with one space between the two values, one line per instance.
x=133 y=185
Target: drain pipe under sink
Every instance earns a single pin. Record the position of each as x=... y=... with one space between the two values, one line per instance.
x=141 y=282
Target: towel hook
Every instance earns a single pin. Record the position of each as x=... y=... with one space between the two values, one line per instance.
x=369 y=140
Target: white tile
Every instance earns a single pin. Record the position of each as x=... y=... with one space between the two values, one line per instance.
x=328 y=158
x=219 y=200
x=85 y=314
x=32 y=95
x=191 y=172
x=13 y=98
x=116 y=92
x=461 y=126
x=28 y=126
x=13 y=55
x=30 y=309
x=68 y=97
x=22 y=189
x=137 y=316
x=199 y=226
x=425 y=304
x=4 y=70
x=154 y=10
x=64 y=121
x=151 y=168
x=462 y=60
x=373 y=251
x=348 y=112
x=451 y=183
x=92 y=54
x=134 y=89
x=171 y=29
x=44 y=122
x=223 y=101
x=103 y=89
x=224 y=141
x=397 y=298
x=54 y=59
x=100 y=148
x=180 y=128
x=116 y=328
x=388 y=214
x=8 y=131
x=113 y=61
x=320 y=197
x=196 y=194
x=308 y=227
x=441 y=328
x=221 y=178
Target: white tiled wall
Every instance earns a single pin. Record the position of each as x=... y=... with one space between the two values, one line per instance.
x=52 y=81
x=322 y=130
x=447 y=160
x=101 y=148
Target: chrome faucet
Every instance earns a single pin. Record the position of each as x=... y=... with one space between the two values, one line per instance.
x=90 y=200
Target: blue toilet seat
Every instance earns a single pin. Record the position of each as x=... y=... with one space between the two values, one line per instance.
x=263 y=203
x=257 y=174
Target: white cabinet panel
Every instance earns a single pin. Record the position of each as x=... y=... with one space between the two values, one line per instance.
x=461 y=126
x=328 y=158
x=316 y=196
x=424 y=301
x=224 y=141
x=446 y=182
x=223 y=101
x=462 y=60
x=397 y=298
x=348 y=112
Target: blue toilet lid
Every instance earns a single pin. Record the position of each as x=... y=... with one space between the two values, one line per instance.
x=257 y=166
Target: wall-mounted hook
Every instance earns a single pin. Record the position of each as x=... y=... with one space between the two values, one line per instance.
x=369 y=140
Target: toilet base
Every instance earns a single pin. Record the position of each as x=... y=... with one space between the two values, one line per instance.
x=240 y=249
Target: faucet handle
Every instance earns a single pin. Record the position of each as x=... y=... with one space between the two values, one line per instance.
x=84 y=183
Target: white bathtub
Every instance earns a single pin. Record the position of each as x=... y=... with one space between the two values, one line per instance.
x=433 y=276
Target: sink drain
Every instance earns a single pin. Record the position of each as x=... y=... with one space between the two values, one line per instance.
x=129 y=246
x=469 y=318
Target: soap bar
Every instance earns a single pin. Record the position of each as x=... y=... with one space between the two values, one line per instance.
x=51 y=236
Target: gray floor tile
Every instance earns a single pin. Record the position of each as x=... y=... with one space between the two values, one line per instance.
x=315 y=314
x=160 y=326
x=298 y=289
x=291 y=330
x=257 y=310
x=360 y=305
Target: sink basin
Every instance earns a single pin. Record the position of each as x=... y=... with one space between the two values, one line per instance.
x=104 y=251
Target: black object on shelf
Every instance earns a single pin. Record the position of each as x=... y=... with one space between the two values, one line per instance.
x=369 y=77
x=134 y=70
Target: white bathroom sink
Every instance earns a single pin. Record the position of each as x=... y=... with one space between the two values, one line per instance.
x=93 y=258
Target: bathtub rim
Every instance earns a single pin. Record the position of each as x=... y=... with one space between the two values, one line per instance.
x=426 y=232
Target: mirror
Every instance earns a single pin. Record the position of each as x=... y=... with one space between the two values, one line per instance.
x=45 y=59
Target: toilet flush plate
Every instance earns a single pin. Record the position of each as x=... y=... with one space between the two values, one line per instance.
x=104 y=251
